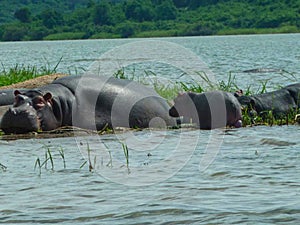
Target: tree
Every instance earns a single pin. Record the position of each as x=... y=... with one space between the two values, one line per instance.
x=51 y=18
x=14 y=33
x=118 y=14
x=194 y=4
x=23 y=15
x=166 y=11
x=181 y=3
x=102 y=13
x=126 y=29
x=139 y=10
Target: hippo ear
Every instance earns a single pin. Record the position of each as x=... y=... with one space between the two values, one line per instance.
x=17 y=92
x=239 y=93
x=252 y=104
x=48 y=97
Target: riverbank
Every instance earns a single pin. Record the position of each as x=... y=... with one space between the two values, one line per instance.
x=172 y=33
x=165 y=90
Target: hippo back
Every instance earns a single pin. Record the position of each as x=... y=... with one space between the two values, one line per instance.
x=7 y=96
x=107 y=101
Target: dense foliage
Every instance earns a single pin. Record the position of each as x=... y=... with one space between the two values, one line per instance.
x=79 y=19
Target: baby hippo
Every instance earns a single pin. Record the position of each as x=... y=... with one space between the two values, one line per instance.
x=209 y=110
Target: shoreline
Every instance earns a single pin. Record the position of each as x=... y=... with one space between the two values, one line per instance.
x=113 y=37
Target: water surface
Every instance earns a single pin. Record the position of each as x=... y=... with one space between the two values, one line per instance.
x=239 y=176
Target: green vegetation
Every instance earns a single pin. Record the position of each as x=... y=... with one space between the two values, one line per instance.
x=20 y=73
x=49 y=150
x=82 y=19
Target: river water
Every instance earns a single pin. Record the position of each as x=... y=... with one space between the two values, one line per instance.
x=238 y=176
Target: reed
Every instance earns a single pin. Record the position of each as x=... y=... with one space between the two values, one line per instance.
x=2 y=167
x=126 y=153
x=49 y=158
x=91 y=167
x=62 y=155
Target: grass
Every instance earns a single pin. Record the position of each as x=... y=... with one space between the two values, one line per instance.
x=92 y=166
x=65 y=36
x=20 y=73
x=247 y=31
x=49 y=150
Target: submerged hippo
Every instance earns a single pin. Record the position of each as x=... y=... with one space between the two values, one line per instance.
x=91 y=102
x=209 y=110
x=279 y=102
x=264 y=70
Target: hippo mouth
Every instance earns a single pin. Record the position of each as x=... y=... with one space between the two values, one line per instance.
x=19 y=120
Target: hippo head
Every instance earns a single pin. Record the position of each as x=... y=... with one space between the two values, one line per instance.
x=31 y=111
x=248 y=104
x=185 y=107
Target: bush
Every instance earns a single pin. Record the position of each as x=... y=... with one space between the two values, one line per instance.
x=65 y=36
x=14 y=33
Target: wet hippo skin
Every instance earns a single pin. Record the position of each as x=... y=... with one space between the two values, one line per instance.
x=279 y=102
x=91 y=102
x=209 y=110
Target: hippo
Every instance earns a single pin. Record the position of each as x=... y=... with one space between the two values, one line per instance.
x=280 y=102
x=209 y=110
x=89 y=102
x=294 y=90
x=7 y=97
x=263 y=70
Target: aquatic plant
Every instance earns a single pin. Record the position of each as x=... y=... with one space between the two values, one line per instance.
x=91 y=167
x=62 y=154
x=2 y=167
x=126 y=153
x=49 y=157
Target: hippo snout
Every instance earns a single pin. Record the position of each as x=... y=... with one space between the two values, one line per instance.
x=21 y=119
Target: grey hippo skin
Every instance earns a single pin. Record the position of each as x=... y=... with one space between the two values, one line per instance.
x=7 y=97
x=280 y=102
x=90 y=102
x=209 y=110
